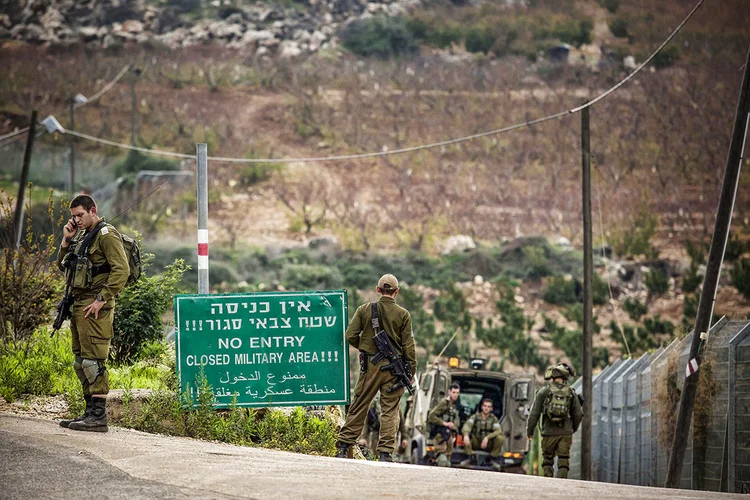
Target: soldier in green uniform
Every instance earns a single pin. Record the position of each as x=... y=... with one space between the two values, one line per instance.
x=396 y=321
x=94 y=289
x=560 y=411
x=482 y=431
x=445 y=421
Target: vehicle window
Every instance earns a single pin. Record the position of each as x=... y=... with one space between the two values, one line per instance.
x=475 y=389
x=521 y=391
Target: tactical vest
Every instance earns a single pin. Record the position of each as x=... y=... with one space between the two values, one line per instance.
x=484 y=427
x=451 y=414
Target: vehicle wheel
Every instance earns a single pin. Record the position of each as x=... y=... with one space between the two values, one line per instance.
x=415 y=457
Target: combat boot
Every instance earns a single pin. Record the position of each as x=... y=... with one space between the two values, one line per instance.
x=96 y=421
x=385 y=457
x=342 y=450
x=66 y=423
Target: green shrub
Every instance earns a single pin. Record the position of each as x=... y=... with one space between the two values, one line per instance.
x=311 y=277
x=636 y=239
x=39 y=369
x=561 y=291
x=418 y=27
x=611 y=5
x=740 y=274
x=479 y=40
x=379 y=36
x=619 y=27
x=691 y=280
x=444 y=36
x=735 y=248
x=30 y=283
x=254 y=173
x=360 y=275
x=657 y=282
x=136 y=161
x=635 y=308
x=667 y=57
x=139 y=310
x=657 y=326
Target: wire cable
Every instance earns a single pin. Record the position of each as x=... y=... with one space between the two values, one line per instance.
x=422 y=147
x=128 y=146
x=104 y=89
x=14 y=134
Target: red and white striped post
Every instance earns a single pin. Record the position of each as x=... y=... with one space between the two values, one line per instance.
x=202 y=181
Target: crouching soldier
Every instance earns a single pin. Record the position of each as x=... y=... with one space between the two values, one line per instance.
x=482 y=432
x=93 y=257
x=560 y=411
x=444 y=422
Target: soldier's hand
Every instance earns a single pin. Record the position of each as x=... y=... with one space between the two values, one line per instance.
x=69 y=229
x=94 y=307
x=484 y=443
x=450 y=425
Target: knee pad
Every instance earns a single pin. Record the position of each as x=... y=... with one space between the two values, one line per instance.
x=92 y=369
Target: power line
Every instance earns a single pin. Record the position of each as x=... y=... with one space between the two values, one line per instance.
x=422 y=147
x=104 y=89
x=14 y=134
x=89 y=100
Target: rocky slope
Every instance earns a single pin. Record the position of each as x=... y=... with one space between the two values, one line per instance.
x=259 y=28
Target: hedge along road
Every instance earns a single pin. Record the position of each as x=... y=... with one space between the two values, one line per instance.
x=43 y=460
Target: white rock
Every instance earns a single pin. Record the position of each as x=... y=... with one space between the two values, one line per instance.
x=289 y=49
x=629 y=62
x=458 y=243
x=478 y=280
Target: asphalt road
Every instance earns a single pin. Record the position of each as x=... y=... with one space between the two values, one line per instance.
x=39 y=459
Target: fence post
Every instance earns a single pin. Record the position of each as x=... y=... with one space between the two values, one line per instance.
x=18 y=215
x=588 y=266
x=202 y=181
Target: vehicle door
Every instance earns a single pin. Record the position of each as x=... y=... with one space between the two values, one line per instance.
x=519 y=401
x=432 y=387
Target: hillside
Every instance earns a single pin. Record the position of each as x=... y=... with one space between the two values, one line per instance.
x=461 y=69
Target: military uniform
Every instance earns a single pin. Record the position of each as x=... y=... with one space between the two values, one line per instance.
x=479 y=428
x=557 y=437
x=443 y=437
x=396 y=321
x=91 y=336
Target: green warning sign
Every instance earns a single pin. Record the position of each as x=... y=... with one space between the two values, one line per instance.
x=265 y=349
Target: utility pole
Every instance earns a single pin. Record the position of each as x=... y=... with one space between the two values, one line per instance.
x=71 y=173
x=711 y=279
x=202 y=181
x=133 y=104
x=18 y=215
x=588 y=301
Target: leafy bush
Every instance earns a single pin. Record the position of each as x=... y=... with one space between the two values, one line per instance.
x=619 y=27
x=691 y=280
x=450 y=308
x=379 y=36
x=636 y=239
x=136 y=161
x=657 y=326
x=29 y=281
x=667 y=57
x=610 y=5
x=444 y=36
x=735 y=248
x=139 y=310
x=635 y=308
x=561 y=291
x=254 y=173
x=636 y=339
x=740 y=274
x=657 y=282
x=480 y=40
x=311 y=277
x=570 y=342
x=40 y=369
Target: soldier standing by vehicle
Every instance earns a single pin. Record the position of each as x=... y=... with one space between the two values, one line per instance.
x=396 y=321
x=445 y=422
x=560 y=411
x=96 y=277
x=482 y=431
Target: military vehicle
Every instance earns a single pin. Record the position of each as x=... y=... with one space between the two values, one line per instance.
x=512 y=396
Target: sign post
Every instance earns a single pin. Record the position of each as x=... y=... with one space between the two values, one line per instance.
x=264 y=349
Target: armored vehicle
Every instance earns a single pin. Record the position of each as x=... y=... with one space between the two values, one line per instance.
x=511 y=396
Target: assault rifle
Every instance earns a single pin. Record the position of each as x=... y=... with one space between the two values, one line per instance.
x=64 y=310
x=400 y=370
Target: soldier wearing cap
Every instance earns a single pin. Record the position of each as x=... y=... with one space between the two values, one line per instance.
x=396 y=321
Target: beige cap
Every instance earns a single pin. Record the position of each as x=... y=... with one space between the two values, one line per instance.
x=388 y=282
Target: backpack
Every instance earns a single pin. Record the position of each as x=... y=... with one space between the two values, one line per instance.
x=558 y=403
x=133 y=251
